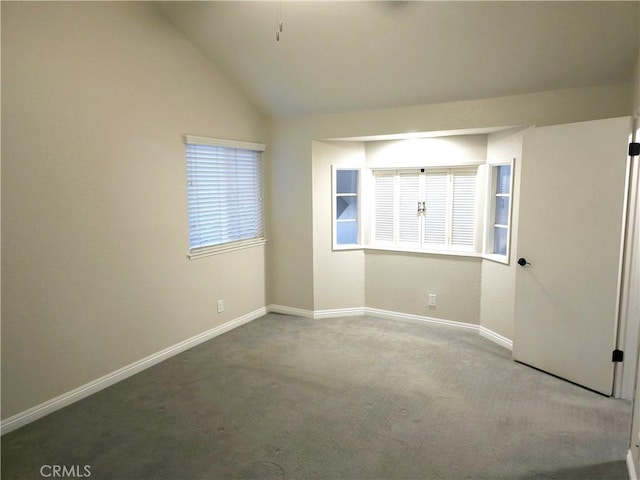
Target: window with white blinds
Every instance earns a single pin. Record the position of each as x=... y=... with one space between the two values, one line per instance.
x=425 y=209
x=224 y=186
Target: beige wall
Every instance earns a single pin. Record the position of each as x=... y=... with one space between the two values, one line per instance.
x=289 y=225
x=499 y=280
x=96 y=97
x=400 y=282
x=331 y=290
x=452 y=150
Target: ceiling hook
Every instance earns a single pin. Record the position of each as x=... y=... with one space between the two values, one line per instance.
x=279 y=25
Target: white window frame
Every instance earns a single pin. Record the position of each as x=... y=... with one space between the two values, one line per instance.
x=203 y=250
x=490 y=215
x=447 y=247
x=334 y=213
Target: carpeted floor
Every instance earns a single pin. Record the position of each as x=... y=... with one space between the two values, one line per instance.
x=348 y=398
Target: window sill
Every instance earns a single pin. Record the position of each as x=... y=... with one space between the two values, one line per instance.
x=503 y=259
x=340 y=248
x=202 y=252
x=454 y=253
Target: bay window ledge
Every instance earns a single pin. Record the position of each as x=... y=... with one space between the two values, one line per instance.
x=382 y=248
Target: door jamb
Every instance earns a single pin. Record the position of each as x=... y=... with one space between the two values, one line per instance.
x=628 y=327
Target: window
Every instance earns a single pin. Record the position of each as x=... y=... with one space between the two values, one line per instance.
x=425 y=209
x=346 y=226
x=224 y=185
x=498 y=230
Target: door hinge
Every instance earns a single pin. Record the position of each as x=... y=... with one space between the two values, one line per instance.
x=618 y=356
x=634 y=149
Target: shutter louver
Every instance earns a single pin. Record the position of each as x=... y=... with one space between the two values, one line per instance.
x=426 y=210
x=435 y=216
x=408 y=216
x=463 y=229
x=224 y=195
x=384 y=207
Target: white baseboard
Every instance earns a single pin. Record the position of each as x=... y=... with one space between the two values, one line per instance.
x=299 y=312
x=418 y=318
x=631 y=467
x=483 y=331
x=359 y=311
x=496 y=338
x=339 y=312
x=50 y=406
x=407 y=317
x=316 y=314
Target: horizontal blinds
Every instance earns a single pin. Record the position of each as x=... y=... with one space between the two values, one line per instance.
x=224 y=194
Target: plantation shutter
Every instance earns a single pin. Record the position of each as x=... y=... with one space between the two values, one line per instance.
x=408 y=216
x=432 y=209
x=435 y=215
x=463 y=228
x=224 y=186
x=384 y=207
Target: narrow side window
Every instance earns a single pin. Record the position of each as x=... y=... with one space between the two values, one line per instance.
x=346 y=208
x=499 y=225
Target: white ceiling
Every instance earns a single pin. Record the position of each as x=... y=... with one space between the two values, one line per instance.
x=346 y=56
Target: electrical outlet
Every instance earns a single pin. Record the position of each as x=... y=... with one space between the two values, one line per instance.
x=220 y=306
x=431 y=298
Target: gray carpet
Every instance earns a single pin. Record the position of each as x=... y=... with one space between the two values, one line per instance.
x=348 y=398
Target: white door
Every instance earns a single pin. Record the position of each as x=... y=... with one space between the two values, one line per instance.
x=569 y=230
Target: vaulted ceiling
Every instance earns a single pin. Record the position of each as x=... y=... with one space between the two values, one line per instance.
x=347 y=56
